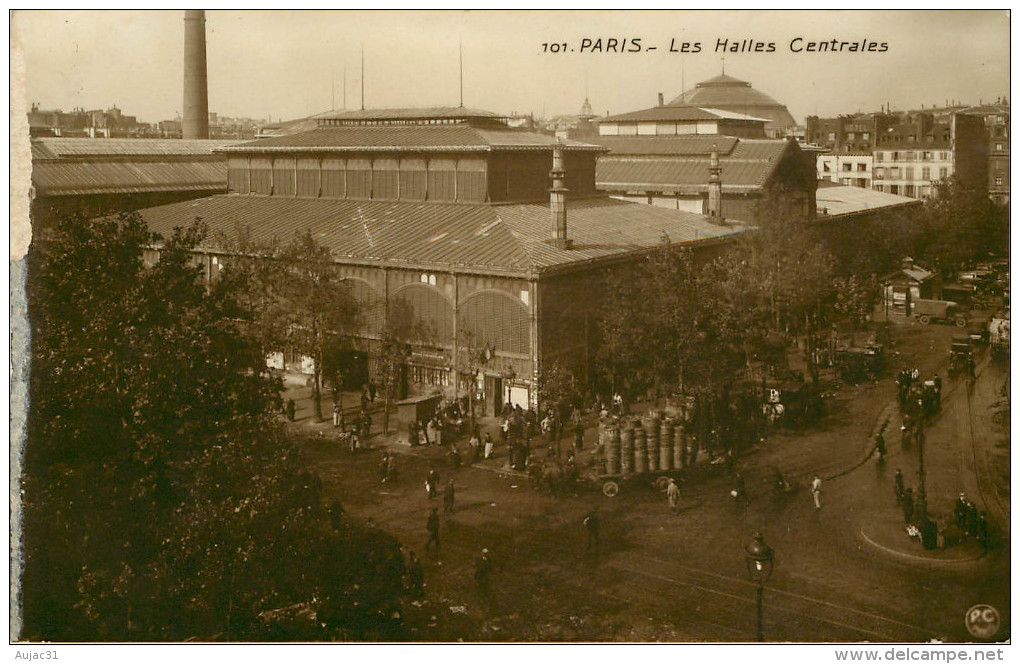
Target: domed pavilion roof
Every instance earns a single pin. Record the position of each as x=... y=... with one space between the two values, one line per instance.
x=731 y=94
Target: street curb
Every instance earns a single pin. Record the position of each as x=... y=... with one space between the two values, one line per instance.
x=919 y=559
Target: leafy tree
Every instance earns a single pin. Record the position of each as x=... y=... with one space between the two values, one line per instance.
x=162 y=500
x=319 y=308
x=855 y=300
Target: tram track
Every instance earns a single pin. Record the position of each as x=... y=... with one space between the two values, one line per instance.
x=812 y=617
x=983 y=470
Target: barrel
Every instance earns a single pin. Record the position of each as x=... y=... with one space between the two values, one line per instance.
x=627 y=450
x=680 y=446
x=609 y=435
x=640 y=450
x=666 y=442
x=651 y=426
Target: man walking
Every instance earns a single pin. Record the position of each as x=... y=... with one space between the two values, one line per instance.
x=816 y=491
x=432 y=526
x=591 y=526
x=448 y=493
x=432 y=483
x=673 y=495
x=483 y=572
x=908 y=506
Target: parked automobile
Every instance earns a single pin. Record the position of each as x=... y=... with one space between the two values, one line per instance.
x=942 y=311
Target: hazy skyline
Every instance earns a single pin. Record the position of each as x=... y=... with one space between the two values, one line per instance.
x=280 y=63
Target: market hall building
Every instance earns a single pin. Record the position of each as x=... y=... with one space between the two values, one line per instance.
x=489 y=238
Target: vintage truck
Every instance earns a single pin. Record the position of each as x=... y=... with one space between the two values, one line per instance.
x=942 y=311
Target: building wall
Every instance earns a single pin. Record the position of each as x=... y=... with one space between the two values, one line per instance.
x=852 y=170
x=912 y=173
x=409 y=177
x=499 y=177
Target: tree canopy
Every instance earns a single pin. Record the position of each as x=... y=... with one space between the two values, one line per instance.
x=162 y=500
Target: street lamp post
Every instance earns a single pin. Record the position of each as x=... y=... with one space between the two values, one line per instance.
x=760 y=559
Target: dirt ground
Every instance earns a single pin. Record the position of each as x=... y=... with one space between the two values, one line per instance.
x=843 y=573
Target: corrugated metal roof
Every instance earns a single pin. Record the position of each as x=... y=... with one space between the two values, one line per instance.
x=510 y=238
x=423 y=113
x=72 y=177
x=664 y=113
x=667 y=145
x=745 y=163
x=614 y=174
x=605 y=227
x=55 y=148
x=681 y=113
x=837 y=200
x=458 y=137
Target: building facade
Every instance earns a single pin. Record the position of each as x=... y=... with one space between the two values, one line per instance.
x=913 y=156
x=444 y=226
x=852 y=169
x=996 y=118
x=674 y=172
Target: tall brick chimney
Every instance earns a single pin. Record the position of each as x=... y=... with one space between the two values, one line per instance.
x=558 y=201
x=196 y=85
x=715 y=187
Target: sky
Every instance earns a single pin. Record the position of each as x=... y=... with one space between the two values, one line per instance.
x=292 y=64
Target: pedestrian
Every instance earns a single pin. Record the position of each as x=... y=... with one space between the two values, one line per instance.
x=448 y=494
x=816 y=491
x=938 y=388
x=898 y=485
x=384 y=465
x=483 y=572
x=415 y=577
x=673 y=495
x=366 y=425
x=880 y=446
x=371 y=391
x=488 y=445
x=476 y=446
x=971 y=368
x=336 y=413
x=291 y=409
x=972 y=519
x=908 y=505
x=578 y=436
x=982 y=530
x=432 y=482
x=364 y=398
x=591 y=527
x=960 y=513
x=412 y=433
x=453 y=455
x=432 y=526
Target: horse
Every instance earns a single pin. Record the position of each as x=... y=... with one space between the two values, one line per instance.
x=547 y=476
x=773 y=413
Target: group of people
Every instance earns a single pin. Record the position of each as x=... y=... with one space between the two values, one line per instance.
x=429 y=433
x=968 y=521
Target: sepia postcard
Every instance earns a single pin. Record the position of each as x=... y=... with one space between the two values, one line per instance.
x=502 y=327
